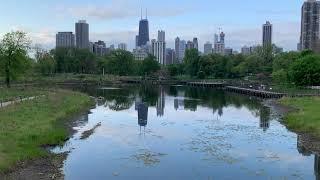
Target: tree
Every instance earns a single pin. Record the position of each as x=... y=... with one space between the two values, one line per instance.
x=46 y=64
x=191 y=61
x=306 y=71
x=149 y=65
x=13 y=55
x=121 y=63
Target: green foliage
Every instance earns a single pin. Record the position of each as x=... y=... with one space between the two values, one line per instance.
x=280 y=76
x=149 y=66
x=46 y=65
x=120 y=63
x=306 y=71
x=13 y=55
x=28 y=126
x=307 y=117
x=74 y=60
x=191 y=61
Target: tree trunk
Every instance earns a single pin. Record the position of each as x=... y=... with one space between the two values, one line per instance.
x=8 y=77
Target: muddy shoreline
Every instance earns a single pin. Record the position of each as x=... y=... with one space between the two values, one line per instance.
x=306 y=141
x=48 y=167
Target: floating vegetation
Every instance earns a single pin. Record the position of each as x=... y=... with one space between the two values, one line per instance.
x=87 y=134
x=148 y=158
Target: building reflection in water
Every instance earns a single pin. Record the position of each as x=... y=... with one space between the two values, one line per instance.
x=161 y=103
x=265 y=118
x=178 y=104
x=317 y=166
x=142 y=109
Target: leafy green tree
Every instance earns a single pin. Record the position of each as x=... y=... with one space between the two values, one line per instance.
x=251 y=65
x=121 y=63
x=306 y=71
x=191 y=61
x=13 y=55
x=46 y=64
x=149 y=65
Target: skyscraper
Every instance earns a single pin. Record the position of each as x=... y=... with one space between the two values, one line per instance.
x=170 y=56
x=190 y=45
x=143 y=37
x=267 y=34
x=122 y=46
x=65 y=39
x=161 y=36
x=245 y=50
x=82 y=34
x=207 y=48
x=222 y=36
x=219 y=45
x=195 y=43
x=310 y=23
x=177 y=47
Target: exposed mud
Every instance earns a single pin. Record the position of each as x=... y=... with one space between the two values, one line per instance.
x=46 y=168
x=307 y=143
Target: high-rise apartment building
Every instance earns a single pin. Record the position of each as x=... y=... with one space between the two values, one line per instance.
x=161 y=36
x=195 y=43
x=245 y=50
x=170 y=56
x=310 y=25
x=99 y=48
x=219 y=45
x=267 y=34
x=189 y=45
x=82 y=34
x=122 y=46
x=65 y=40
x=159 y=48
x=207 y=48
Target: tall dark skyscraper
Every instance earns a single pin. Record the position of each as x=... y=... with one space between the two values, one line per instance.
x=82 y=34
x=143 y=36
x=267 y=34
x=310 y=25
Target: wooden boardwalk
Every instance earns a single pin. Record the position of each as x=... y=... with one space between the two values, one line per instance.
x=239 y=90
x=254 y=92
x=206 y=84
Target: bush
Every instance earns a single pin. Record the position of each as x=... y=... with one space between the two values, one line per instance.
x=306 y=71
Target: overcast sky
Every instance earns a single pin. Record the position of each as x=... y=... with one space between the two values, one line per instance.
x=116 y=21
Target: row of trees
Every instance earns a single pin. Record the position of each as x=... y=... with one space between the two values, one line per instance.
x=300 y=68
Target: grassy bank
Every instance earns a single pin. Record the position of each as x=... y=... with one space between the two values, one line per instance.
x=25 y=127
x=307 y=117
x=10 y=94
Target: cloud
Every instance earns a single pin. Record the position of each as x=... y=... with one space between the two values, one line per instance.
x=118 y=9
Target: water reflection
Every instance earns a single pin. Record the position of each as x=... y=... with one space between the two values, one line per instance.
x=216 y=130
x=317 y=166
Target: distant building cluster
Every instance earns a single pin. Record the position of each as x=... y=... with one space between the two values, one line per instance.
x=81 y=40
x=145 y=46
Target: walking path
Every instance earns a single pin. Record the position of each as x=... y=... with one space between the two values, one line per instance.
x=18 y=100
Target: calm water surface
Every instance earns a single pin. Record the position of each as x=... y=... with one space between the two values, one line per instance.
x=141 y=132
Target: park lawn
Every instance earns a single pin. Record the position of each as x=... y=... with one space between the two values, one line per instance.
x=13 y=93
x=306 y=118
x=26 y=127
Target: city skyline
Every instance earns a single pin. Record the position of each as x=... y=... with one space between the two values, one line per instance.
x=117 y=21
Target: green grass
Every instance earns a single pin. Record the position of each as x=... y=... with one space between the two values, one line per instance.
x=13 y=93
x=293 y=90
x=306 y=118
x=26 y=127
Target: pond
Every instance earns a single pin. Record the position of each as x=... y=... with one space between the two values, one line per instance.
x=177 y=132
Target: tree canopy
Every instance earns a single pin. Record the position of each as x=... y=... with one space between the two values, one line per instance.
x=13 y=55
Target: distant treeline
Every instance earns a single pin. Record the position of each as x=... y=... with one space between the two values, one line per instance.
x=298 y=68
